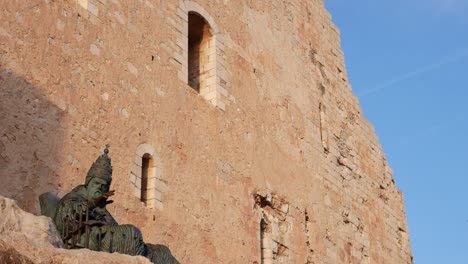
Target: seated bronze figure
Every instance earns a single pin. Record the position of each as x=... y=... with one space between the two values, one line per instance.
x=84 y=222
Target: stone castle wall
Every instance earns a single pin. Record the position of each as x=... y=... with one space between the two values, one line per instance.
x=272 y=162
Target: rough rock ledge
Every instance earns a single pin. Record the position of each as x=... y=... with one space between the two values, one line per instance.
x=27 y=238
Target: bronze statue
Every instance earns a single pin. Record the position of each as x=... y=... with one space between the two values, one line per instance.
x=84 y=222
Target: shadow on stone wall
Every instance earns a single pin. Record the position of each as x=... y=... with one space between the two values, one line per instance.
x=31 y=140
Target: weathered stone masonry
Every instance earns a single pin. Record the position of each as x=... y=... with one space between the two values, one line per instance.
x=269 y=161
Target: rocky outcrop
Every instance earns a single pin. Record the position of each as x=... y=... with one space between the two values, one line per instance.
x=38 y=230
x=27 y=238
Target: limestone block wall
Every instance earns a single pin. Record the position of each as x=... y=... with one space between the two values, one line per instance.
x=275 y=163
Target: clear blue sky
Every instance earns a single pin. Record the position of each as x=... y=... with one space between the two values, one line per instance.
x=407 y=62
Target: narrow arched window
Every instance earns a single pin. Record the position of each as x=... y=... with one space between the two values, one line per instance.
x=201 y=55
x=147 y=167
x=145 y=177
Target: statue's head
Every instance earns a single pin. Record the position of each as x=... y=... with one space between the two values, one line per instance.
x=99 y=176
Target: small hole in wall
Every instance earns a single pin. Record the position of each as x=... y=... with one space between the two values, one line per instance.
x=152 y=57
x=322 y=89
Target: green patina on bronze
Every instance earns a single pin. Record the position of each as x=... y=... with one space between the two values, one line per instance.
x=84 y=222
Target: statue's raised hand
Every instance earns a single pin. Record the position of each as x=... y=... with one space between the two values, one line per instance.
x=101 y=200
x=107 y=194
